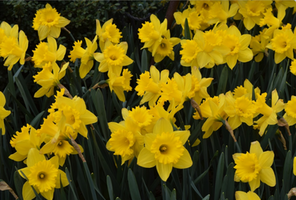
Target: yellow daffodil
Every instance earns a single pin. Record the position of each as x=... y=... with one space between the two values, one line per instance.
x=240 y=195
x=258 y=45
x=23 y=141
x=119 y=84
x=56 y=139
x=48 y=52
x=113 y=58
x=125 y=140
x=157 y=39
x=238 y=46
x=282 y=6
x=269 y=114
x=13 y=45
x=254 y=166
x=199 y=86
x=43 y=175
x=148 y=85
x=73 y=112
x=246 y=90
x=49 y=78
x=164 y=149
x=239 y=110
x=213 y=109
x=290 y=109
x=150 y=32
x=3 y=112
x=165 y=48
x=86 y=55
x=283 y=43
x=108 y=32
x=252 y=11
x=48 y=22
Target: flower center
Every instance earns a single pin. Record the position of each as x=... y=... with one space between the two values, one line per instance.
x=41 y=175
x=163 y=148
x=247 y=167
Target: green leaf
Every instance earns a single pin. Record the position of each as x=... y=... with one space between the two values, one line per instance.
x=71 y=183
x=133 y=186
x=29 y=103
x=18 y=183
x=144 y=61
x=99 y=104
x=36 y=121
x=110 y=187
x=219 y=176
x=187 y=30
x=223 y=80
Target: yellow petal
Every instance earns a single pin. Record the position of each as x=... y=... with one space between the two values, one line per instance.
x=17 y=157
x=256 y=148
x=183 y=135
x=266 y=159
x=255 y=183
x=162 y=125
x=185 y=161
x=164 y=171
x=48 y=195
x=267 y=176
x=34 y=157
x=239 y=195
x=62 y=177
x=146 y=159
x=28 y=193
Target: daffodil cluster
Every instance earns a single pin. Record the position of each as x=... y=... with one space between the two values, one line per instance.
x=238 y=107
x=157 y=88
x=148 y=135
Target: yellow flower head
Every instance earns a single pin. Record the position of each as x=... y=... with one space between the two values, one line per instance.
x=125 y=140
x=164 y=149
x=113 y=58
x=48 y=52
x=13 y=45
x=254 y=167
x=165 y=48
x=49 y=78
x=109 y=32
x=238 y=46
x=42 y=174
x=86 y=55
x=72 y=113
x=149 y=85
x=258 y=45
x=3 y=112
x=119 y=84
x=213 y=109
x=252 y=11
x=269 y=114
x=141 y=116
x=48 y=22
x=241 y=109
x=283 y=43
x=23 y=141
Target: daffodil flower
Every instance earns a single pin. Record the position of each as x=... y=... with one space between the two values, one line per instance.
x=164 y=149
x=254 y=166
